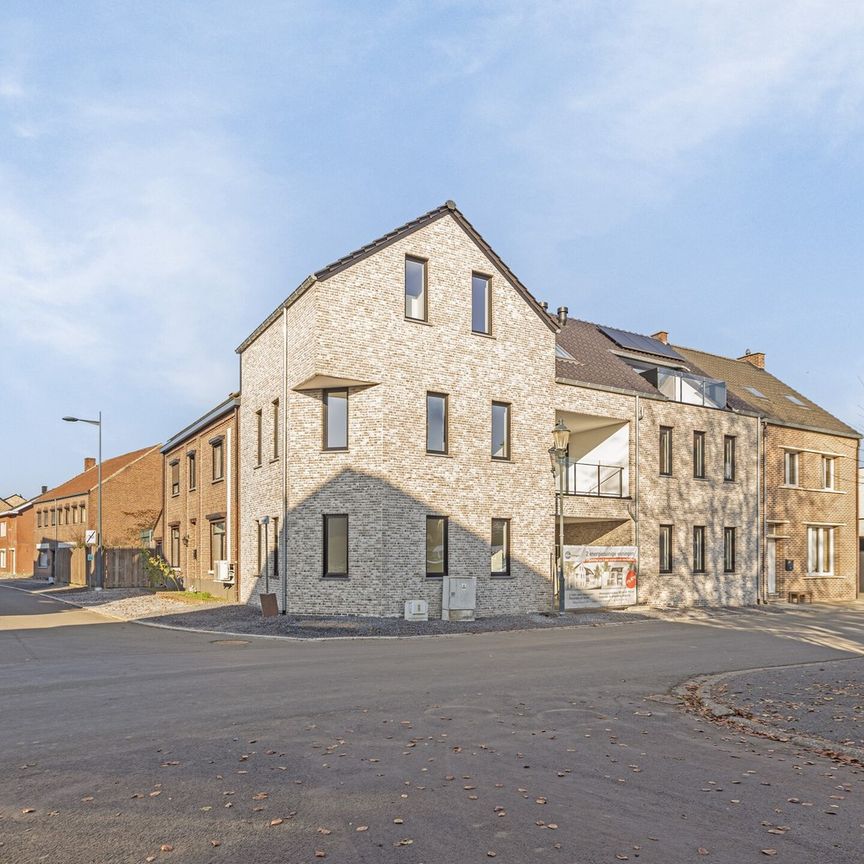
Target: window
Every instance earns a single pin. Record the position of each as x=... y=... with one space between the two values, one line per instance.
x=415 y=289
x=728 y=550
x=53 y=517
x=698 y=548
x=74 y=514
x=175 y=477
x=191 y=471
x=699 y=455
x=336 y=419
x=828 y=472
x=83 y=514
x=436 y=545
x=2 y=559
x=500 y=430
x=66 y=515
x=174 y=559
x=262 y=551
x=755 y=392
x=44 y=561
x=38 y=518
x=275 y=523
x=217 y=542
x=666 y=451
x=336 y=544
x=500 y=547
x=665 y=548
x=436 y=423
x=2 y=529
x=795 y=400
x=790 y=473
x=729 y=457
x=563 y=353
x=218 y=460
x=258 y=434
x=275 y=428
x=820 y=551
x=480 y=303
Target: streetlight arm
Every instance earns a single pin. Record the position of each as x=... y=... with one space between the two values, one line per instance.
x=82 y=420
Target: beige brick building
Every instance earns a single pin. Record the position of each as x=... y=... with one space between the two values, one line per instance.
x=200 y=499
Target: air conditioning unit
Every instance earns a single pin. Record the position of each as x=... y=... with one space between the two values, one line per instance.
x=458 y=598
x=416 y=610
x=223 y=572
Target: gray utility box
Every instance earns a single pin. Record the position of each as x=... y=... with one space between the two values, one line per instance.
x=458 y=598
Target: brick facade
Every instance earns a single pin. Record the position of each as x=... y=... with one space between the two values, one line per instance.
x=17 y=552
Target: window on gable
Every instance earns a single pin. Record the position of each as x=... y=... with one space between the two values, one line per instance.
x=480 y=317
x=436 y=422
x=500 y=430
x=415 y=289
x=336 y=419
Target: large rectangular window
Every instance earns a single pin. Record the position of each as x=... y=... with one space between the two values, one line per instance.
x=500 y=430
x=790 y=468
x=699 y=455
x=336 y=419
x=174 y=554
x=436 y=423
x=728 y=457
x=175 y=477
x=191 y=470
x=436 y=545
x=336 y=544
x=698 y=548
x=665 y=548
x=217 y=542
x=415 y=289
x=820 y=551
x=828 y=475
x=666 y=450
x=500 y=547
x=728 y=550
x=275 y=408
x=480 y=318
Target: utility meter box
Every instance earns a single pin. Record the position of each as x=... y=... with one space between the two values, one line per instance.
x=416 y=610
x=458 y=598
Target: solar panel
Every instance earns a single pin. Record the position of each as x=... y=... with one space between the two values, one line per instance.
x=636 y=342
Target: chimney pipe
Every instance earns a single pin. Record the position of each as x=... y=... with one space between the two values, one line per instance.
x=754 y=358
x=562 y=315
x=545 y=305
x=661 y=336
x=89 y=462
x=44 y=490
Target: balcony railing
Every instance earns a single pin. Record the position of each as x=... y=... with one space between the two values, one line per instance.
x=604 y=481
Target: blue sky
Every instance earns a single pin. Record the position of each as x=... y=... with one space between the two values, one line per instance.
x=170 y=171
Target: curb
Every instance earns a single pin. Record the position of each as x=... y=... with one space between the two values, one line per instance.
x=696 y=695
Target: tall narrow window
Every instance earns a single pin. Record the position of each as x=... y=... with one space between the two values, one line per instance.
x=699 y=455
x=500 y=430
x=500 y=547
x=828 y=464
x=336 y=544
x=191 y=470
x=728 y=457
x=790 y=473
x=480 y=303
x=217 y=542
x=218 y=459
x=74 y=514
x=83 y=514
x=38 y=518
x=698 y=548
x=275 y=523
x=275 y=428
x=175 y=546
x=436 y=545
x=259 y=432
x=820 y=551
x=665 y=548
x=262 y=551
x=436 y=423
x=666 y=450
x=53 y=517
x=175 y=477
x=415 y=289
x=336 y=419
x=728 y=550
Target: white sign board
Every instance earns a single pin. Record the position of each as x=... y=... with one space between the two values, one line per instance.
x=90 y=537
x=597 y=577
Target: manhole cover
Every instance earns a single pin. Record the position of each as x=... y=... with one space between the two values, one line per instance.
x=229 y=641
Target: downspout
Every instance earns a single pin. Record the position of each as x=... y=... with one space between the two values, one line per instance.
x=637 y=415
x=281 y=540
x=763 y=522
x=228 y=507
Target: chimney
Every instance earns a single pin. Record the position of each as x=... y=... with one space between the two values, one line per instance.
x=562 y=315
x=754 y=358
x=89 y=462
x=661 y=336
x=44 y=490
x=544 y=305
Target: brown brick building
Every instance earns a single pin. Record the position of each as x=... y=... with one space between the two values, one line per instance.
x=131 y=506
x=809 y=489
x=200 y=496
x=17 y=551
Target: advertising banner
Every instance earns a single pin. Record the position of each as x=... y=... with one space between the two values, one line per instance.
x=599 y=576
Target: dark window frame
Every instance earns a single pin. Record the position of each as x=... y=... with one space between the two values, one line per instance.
x=446 y=544
x=174 y=546
x=192 y=470
x=259 y=436
x=699 y=552
x=275 y=413
x=476 y=274
x=220 y=447
x=425 y=263
x=505 y=573
x=446 y=398
x=730 y=549
x=509 y=407
x=667 y=565
x=326 y=572
x=730 y=458
x=699 y=454
x=213 y=558
x=325 y=423
x=666 y=452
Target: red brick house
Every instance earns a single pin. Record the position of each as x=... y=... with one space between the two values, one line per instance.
x=17 y=551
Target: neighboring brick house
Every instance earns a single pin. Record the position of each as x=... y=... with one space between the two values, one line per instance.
x=131 y=506
x=660 y=457
x=200 y=498
x=810 y=489
x=16 y=536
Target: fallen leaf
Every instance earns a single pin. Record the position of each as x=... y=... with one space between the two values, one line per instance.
x=215 y=843
x=362 y=828
x=320 y=853
x=325 y=831
x=276 y=821
x=28 y=810
x=166 y=847
x=769 y=851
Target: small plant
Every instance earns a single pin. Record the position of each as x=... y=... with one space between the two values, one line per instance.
x=160 y=574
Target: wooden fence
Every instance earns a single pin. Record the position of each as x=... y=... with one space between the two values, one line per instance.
x=124 y=568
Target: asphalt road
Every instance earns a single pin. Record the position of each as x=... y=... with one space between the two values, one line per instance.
x=519 y=746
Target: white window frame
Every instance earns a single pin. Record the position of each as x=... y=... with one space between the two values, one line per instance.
x=790 y=458
x=2 y=559
x=829 y=473
x=817 y=537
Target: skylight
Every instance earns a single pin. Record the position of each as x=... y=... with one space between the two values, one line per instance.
x=795 y=400
x=756 y=392
x=561 y=354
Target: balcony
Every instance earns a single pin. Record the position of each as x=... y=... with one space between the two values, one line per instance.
x=686 y=387
x=601 y=481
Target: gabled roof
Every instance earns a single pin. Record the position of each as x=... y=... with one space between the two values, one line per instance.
x=14 y=500
x=87 y=480
x=16 y=509
x=741 y=374
x=448 y=208
x=209 y=418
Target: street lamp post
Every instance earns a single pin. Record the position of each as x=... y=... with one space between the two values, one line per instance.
x=100 y=558
x=558 y=457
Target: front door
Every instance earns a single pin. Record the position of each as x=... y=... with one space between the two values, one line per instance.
x=771 y=567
